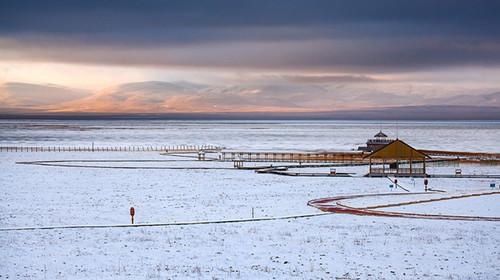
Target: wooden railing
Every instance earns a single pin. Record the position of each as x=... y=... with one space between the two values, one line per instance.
x=462 y=155
x=414 y=170
x=160 y=148
x=352 y=157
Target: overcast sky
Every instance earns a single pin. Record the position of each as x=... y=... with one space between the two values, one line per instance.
x=199 y=56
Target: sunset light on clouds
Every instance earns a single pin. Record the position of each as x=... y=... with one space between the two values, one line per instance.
x=256 y=56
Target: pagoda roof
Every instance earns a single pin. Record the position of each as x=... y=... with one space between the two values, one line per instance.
x=380 y=134
x=398 y=150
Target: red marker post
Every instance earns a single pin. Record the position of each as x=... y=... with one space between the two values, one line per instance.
x=132 y=213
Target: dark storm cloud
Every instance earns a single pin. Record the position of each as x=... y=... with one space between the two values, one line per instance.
x=357 y=35
x=99 y=16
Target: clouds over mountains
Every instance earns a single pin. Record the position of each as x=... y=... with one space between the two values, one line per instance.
x=356 y=36
x=33 y=96
x=247 y=56
x=175 y=97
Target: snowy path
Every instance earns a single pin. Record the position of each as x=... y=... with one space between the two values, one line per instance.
x=334 y=205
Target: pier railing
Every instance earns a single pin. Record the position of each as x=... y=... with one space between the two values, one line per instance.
x=480 y=156
x=352 y=157
x=156 y=148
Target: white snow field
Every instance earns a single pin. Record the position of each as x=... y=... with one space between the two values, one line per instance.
x=333 y=246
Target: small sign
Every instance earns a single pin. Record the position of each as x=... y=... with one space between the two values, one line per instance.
x=132 y=213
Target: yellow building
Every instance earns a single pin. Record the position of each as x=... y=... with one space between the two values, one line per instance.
x=397 y=159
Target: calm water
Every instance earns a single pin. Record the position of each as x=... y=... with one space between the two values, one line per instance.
x=287 y=135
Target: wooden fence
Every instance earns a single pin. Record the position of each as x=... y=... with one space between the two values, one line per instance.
x=161 y=148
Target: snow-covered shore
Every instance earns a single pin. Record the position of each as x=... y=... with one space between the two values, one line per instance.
x=318 y=247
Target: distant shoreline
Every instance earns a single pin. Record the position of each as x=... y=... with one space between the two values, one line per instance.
x=408 y=113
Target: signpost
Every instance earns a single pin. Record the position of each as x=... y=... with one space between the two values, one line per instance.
x=132 y=213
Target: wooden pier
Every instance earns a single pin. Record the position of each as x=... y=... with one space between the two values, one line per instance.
x=470 y=156
x=352 y=157
x=301 y=157
x=93 y=148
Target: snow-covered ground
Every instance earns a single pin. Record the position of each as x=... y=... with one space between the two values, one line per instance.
x=317 y=247
x=472 y=206
x=322 y=247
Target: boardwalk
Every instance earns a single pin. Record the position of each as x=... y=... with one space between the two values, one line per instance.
x=472 y=156
x=161 y=148
x=351 y=157
x=345 y=157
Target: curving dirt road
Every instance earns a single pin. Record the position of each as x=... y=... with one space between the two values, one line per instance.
x=336 y=205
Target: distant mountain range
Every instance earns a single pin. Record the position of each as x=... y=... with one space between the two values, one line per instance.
x=180 y=100
x=389 y=113
x=489 y=100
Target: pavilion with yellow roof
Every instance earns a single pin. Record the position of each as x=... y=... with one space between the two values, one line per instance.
x=397 y=159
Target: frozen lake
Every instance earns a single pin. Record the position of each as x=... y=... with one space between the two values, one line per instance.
x=275 y=135
x=322 y=247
